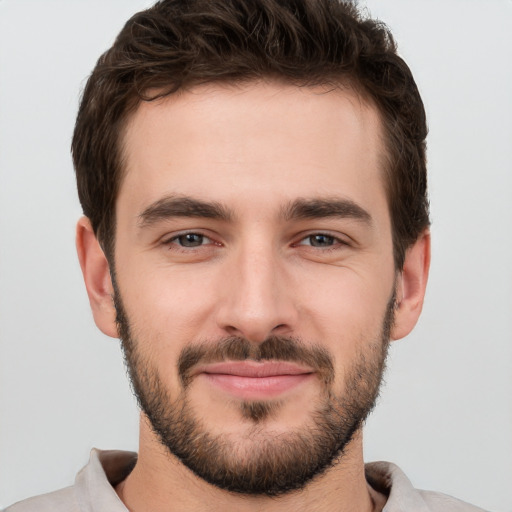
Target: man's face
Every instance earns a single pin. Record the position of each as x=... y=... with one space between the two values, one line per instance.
x=254 y=277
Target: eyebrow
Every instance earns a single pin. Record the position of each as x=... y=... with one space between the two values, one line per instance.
x=172 y=206
x=325 y=208
x=178 y=206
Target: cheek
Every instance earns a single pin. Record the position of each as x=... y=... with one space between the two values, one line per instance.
x=345 y=314
x=166 y=296
x=167 y=310
x=346 y=296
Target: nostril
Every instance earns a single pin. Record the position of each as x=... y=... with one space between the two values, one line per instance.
x=280 y=329
x=230 y=329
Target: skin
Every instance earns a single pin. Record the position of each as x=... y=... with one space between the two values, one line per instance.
x=253 y=149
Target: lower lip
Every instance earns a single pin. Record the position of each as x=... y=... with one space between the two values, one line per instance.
x=256 y=388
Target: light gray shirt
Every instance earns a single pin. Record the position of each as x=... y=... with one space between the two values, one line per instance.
x=93 y=490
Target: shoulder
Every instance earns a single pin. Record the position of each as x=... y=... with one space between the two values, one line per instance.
x=389 y=480
x=93 y=488
x=437 y=501
x=58 y=501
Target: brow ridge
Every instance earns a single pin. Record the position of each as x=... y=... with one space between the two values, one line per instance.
x=303 y=208
x=182 y=206
x=317 y=208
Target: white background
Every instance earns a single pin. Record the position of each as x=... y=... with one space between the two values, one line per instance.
x=445 y=415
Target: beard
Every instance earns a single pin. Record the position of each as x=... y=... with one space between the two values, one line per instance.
x=261 y=462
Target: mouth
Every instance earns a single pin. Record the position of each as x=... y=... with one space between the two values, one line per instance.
x=255 y=380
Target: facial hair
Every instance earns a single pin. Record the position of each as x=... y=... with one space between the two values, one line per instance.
x=271 y=465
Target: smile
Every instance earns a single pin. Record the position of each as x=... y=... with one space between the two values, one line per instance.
x=251 y=380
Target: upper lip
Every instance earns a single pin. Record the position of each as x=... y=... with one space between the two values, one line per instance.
x=255 y=369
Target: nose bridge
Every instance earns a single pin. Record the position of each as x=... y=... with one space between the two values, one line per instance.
x=257 y=303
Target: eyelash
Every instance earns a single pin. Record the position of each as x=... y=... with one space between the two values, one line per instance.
x=335 y=245
x=170 y=242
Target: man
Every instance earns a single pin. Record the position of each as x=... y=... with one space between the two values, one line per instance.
x=253 y=181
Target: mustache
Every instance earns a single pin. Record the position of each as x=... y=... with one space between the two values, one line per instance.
x=275 y=348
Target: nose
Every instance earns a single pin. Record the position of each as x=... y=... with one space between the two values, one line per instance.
x=257 y=299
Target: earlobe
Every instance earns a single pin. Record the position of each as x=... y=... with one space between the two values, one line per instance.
x=411 y=285
x=96 y=273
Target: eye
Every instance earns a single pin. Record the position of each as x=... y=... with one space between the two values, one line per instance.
x=190 y=240
x=320 y=240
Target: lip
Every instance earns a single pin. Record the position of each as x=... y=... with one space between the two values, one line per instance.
x=254 y=380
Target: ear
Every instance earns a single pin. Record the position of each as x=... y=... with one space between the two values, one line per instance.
x=411 y=285
x=96 y=272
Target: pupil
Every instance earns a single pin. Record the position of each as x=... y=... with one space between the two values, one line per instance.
x=321 y=240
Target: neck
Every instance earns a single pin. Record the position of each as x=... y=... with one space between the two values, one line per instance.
x=160 y=482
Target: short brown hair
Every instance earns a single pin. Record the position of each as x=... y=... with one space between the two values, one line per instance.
x=177 y=44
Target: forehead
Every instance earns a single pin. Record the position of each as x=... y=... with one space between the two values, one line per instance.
x=262 y=140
